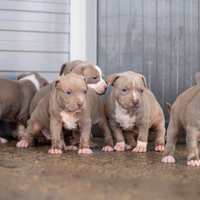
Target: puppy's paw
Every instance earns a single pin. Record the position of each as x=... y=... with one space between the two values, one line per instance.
x=120 y=146
x=54 y=151
x=84 y=151
x=127 y=147
x=22 y=144
x=168 y=159
x=71 y=148
x=159 y=148
x=107 y=148
x=194 y=163
x=140 y=149
x=3 y=141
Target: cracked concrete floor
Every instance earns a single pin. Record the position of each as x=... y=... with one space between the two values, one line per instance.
x=34 y=174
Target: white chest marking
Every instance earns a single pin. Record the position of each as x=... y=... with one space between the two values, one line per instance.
x=33 y=79
x=69 y=119
x=122 y=117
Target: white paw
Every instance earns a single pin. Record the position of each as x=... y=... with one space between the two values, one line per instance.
x=54 y=151
x=140 y=149
x=107 y=148
x=159 y=148
x=22 y=144
x=84 y=151
x=120 y=146
x=71 y=148
x=168 y=159
x=127 y=147
x=194 y=163
x=2 y=140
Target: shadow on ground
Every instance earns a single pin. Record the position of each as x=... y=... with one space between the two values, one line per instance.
x=34 y=174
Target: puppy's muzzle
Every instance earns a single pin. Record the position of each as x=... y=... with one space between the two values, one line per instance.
x=135 y=103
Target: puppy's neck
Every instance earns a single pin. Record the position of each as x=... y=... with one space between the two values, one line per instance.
x=33 y=79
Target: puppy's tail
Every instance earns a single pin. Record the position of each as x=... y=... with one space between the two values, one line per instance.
x=169 y=108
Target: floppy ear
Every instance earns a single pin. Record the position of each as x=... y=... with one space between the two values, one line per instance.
x=169 y=108
x=197 y=76
x=68 y=67
x=21 y=76
x=144 y=80
x=55 y=84
x=111 y=79
x=44 y=82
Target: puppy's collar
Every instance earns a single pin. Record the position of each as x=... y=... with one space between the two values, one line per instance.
x=33 y=79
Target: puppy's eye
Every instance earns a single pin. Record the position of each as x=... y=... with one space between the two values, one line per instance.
x=85 y=92
x=141 y=91
x=95 y=77
x=124 y=90
x=69 y=93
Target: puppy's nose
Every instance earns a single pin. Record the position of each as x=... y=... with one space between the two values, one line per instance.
x=135 y=102
x=80 y=104
x=105 y=87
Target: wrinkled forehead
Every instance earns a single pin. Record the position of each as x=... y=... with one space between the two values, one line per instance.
x=72 y=83
x=130 y=81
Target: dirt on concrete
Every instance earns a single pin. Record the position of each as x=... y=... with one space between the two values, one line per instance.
x=32 y=173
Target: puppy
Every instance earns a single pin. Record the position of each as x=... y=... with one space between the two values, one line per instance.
x=184 y=113
x=72 y=105
x=93 y=76
x=16 y=97
x=132 y=108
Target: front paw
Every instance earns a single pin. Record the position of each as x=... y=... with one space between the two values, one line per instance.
x=54 y=151
x=22 y=144
x=84 y=151
x=168 y=159
x=194 y=163
x=107 y=148
x=140 y=149
x=159 y=148
x=71 y=148
x=120 y=146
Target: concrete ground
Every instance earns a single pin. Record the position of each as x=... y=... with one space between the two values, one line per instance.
x=34 y=174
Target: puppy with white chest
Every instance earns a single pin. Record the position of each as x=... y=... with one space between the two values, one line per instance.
x=73 y=106
x=16 y=97
x=132 y=108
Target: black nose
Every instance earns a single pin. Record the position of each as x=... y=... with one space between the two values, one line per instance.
x=135 y=102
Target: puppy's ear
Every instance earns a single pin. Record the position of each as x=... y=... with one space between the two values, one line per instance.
x=68 y=67
x=197 y=76
x=85 y=83
x=169 y=108
x=21 y=76
x=144 y=80
x=44 y=82
x=111 y=79
x=55 y=84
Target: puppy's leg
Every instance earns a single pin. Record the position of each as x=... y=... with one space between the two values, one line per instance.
x=56 y=137
x=130 y=140
x=32 y=130
x=142 y=139
x=118 y=135
x=103 y=125
x=73 y=143
x=174 y=130
x=21 y=129
x=160 y=137
x=192 y=138
x=85 y=130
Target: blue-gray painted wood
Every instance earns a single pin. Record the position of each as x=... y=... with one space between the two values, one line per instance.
x=157 y=38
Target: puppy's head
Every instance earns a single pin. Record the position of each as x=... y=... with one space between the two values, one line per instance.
x=70 y=92
x=128 y=88
x=35 y=78
x=93 y=76
x=69 y=66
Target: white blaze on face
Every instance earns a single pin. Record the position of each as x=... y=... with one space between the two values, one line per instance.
x=100 y=86
x=33 y=79
x=122 y=117
x=134 y=93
